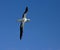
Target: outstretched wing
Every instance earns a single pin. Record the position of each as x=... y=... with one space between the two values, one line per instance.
x=21 y=30
x=24 y=14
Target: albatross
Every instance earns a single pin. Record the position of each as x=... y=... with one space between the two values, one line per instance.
x=23 y=20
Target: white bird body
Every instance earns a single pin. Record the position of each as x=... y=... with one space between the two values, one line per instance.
x=23 y=20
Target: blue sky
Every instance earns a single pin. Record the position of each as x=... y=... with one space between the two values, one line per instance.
x=41 y=33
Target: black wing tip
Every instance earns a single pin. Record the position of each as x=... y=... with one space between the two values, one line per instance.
x=20 y=35
x=26 y=10
x=20 y=38
x=26 y=7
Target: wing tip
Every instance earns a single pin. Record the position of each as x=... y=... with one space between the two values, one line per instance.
x=20 y=38
x=26 y=10
x=26 y=7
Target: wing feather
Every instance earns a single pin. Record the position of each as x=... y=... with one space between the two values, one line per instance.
x=21 y=30
x=24 y=14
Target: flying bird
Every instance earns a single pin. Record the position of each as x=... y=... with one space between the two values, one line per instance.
x=23 y=21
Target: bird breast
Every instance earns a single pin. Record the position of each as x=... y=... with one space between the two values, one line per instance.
x=24 y=19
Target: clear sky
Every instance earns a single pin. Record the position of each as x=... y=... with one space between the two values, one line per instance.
x=41 y=33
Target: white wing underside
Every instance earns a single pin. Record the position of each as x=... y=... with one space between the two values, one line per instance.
x=25 y=15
